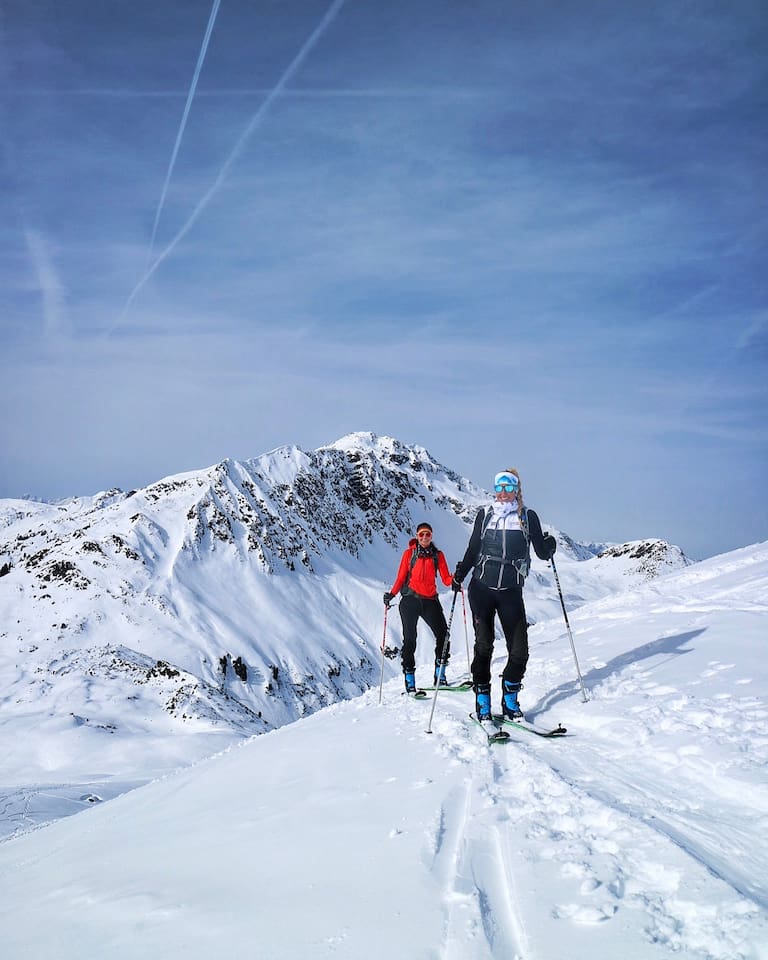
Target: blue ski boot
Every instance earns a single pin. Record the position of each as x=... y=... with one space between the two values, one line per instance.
x=509 y=705
x=483 y=701
x=410 y=681
x=440 y=680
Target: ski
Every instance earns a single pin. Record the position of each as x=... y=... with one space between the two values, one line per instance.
x=500 y=736
x=558 y=731
x=453 y=687
x=416 y=694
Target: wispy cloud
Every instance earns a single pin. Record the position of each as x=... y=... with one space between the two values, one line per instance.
x=437 y=94
x=51 y=289
x=752 y=332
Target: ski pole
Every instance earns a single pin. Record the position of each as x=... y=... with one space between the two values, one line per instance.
x=466 y=635
x=383 y=648
x=568 y=626
x=442 y=662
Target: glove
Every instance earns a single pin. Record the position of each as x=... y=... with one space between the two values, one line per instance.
x=388 y=598
x=455 y=585
x=550 y=546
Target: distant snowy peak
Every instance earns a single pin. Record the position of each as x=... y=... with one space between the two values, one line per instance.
x=574 y=548
x=650 y=558
x=394 y=453
x=341 y=495
x=389 y=450
x=645 y=558
x=362 y=441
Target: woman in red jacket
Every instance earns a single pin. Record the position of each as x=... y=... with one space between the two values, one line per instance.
x=416 y=582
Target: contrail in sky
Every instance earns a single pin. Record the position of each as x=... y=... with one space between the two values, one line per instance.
x=256 y=120
x=180 y=134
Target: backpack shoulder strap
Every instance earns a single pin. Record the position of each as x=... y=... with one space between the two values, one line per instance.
x=415 y=557
x=407 y=585
x=486 y=520
x=523 y=566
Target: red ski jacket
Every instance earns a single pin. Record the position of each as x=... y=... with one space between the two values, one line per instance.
x=422 y=577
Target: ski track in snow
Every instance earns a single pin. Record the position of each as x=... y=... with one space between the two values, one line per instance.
x=529 y=808
x=472 y=867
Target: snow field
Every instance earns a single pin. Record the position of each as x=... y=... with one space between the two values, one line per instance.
x=354 y=833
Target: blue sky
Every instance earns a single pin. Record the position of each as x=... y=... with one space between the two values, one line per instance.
x=518 y=234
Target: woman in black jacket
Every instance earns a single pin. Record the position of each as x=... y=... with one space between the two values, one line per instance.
x=499 y=556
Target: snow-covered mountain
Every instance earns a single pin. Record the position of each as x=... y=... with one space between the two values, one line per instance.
x=225 y=602
x=643 y=834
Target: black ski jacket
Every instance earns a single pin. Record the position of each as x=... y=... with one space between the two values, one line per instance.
x=500 y=557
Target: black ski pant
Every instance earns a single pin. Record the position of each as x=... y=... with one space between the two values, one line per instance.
x=411 y=608
x=485 y=604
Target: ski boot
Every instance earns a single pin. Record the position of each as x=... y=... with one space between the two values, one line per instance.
x=440 y=680
x=483 y=704
x=410 y=681
x=509 y=705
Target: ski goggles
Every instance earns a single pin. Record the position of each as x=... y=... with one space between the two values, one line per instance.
x=506 y=483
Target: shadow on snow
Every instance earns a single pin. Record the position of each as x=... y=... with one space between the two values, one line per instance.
x=668 y=647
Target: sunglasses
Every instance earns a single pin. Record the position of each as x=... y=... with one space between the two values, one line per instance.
x=424 y=533
x=506 y=487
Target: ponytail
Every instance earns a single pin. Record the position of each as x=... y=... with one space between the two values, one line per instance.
x=520 y=506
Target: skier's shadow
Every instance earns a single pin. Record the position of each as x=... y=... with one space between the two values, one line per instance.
x=673 y=646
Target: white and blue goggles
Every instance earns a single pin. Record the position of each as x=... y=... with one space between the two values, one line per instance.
x=506 y=483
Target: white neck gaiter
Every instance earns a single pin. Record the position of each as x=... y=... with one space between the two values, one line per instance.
x=504 y=516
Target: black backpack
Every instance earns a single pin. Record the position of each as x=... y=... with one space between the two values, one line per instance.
x=522 y=566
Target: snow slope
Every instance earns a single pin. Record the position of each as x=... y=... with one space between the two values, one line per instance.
x=352 y=833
